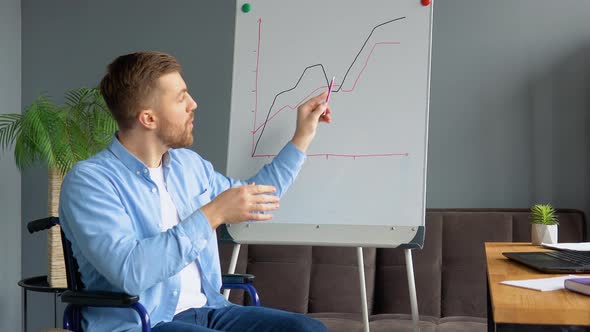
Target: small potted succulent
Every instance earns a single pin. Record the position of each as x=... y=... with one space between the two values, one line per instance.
x=543 y=224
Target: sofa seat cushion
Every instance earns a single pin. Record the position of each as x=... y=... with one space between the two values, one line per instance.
x=400 y=322
x=462 y=324
x=336 y=321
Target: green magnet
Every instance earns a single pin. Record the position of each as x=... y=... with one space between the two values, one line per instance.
x=246 y=7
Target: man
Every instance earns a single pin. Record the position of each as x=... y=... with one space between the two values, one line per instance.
x=141 y=214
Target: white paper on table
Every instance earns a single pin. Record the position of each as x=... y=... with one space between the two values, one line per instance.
x=580 y=246
x=542 y=284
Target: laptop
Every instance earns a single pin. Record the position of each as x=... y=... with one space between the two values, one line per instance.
x=558 y=261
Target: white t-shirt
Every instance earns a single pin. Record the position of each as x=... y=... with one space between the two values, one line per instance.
x=191 y=295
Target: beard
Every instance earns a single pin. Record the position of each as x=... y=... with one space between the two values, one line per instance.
x=176 y=136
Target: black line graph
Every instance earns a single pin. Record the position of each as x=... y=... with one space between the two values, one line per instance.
x=262 y=127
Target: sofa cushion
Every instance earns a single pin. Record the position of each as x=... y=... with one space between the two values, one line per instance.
x=462 y=324
x=333 y=275
x=464 y=265
x=282 y=275
x=340 y=321
x=377 y=323
x=392 y=295
x=401 y=322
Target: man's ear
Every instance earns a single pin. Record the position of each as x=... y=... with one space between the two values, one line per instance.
x=147 y=119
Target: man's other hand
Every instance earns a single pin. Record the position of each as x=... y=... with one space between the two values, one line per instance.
x=240 y=204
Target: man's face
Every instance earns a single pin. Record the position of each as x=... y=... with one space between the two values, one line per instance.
x=174 y=108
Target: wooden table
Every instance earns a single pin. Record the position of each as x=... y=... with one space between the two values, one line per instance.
x=513 y=308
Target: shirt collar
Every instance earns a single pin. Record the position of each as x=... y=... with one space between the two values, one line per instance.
x=131 y=161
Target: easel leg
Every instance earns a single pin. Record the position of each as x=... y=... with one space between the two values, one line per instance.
x=232 y=266
x=364 y=307
x=412 y=287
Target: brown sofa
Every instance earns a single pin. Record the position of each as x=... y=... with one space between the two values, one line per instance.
x=450 y=273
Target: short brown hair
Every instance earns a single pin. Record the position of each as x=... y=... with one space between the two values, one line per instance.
x=130 y=80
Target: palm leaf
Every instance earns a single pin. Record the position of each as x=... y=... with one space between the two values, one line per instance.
x=77 y=104
x=66 y=155
x=104 y=126
x=24 y=153
x=78 y=140
x=101 y=124
x=9 y=129
x=59 y=136
x=39 y=126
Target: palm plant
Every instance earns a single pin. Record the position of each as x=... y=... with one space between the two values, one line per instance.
x=58 y=136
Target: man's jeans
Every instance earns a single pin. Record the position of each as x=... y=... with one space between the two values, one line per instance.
x=240 y=319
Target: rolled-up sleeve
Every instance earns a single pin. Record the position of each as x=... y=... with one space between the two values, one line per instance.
x=280 y=173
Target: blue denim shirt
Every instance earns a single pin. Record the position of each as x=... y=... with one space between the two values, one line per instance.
x=110 y=211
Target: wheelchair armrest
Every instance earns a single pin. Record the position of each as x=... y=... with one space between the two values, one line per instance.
x=237 y=278
x=99 y=299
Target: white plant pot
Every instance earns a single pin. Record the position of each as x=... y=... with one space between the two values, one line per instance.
x=543 y=234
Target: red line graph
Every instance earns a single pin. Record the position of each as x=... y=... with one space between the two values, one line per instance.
x=294 y=107
x=353 y=156
x=256 y=84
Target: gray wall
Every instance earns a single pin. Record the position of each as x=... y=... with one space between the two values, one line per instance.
x=509 y=121
x=10 y=186
x=509 y=102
